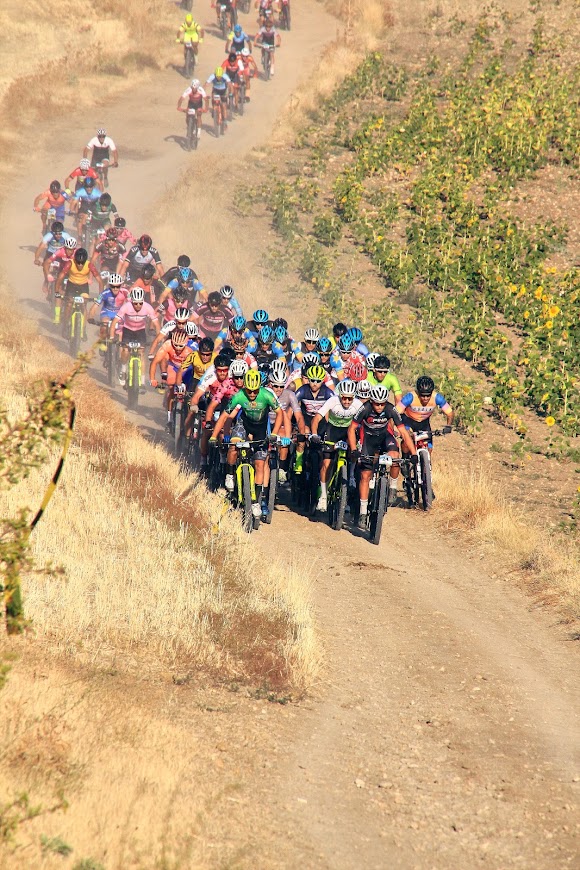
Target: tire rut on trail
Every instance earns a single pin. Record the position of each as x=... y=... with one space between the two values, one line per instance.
x=446 y=731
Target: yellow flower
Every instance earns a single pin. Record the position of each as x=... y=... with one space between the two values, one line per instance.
x=550 y=421
x=526 y=315
x=538 y=293
x=553 y=310
x=549 y=324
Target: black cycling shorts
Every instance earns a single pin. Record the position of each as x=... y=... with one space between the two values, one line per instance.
x=377 y=442
x=139 y=335
x=419 y=426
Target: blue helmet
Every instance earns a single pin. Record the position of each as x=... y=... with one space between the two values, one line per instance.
x=323 y=345
x=280 y=333
x=264 y=370
x=238 y=323
x=356 y=334
x=238 y=29
x=185 y=274
x=266 y=335
x=260 y=316
x=345 y=343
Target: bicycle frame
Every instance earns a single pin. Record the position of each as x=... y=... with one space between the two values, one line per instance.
x=245 y=456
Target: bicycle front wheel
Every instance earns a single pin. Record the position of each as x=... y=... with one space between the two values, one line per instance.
x=133 y=384
x=426 y=487
x=272 y=487
x=247 y=516
x=314 y=482
x=337 y=502
x=76 y=329
x=379 y=511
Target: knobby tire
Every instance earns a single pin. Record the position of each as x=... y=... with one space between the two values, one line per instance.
x=248 y=518
x=337 y=504
x=133 y=384
x=380 y=509
x=272 y=488
x=314 y=481
x=426 y=487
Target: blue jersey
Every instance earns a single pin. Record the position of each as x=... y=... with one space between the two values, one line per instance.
x=89 y=196
x=311 y=404
x=52 y=243
x=107 y=301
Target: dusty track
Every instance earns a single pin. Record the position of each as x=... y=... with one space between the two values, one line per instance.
x=446 y=733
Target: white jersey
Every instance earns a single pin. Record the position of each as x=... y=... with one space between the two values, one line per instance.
x=106 y=143
x=338 y=415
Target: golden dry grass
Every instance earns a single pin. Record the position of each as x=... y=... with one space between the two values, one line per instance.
x=151 y=567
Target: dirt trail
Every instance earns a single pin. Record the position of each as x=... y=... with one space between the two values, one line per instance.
x=447 y=732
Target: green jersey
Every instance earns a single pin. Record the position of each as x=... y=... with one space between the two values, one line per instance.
x=254 y=410
x=390 y=381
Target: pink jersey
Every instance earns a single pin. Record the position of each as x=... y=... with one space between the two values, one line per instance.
x=225 y=390
x=125 y=236
x=133 y=319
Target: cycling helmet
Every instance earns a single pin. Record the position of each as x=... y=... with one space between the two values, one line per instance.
x=363 y=390
x=189 y=18
x=195 y=84
x=323 y=345
x=311 y=334
x=147 y=271
x=81 y=256
x=185 y=274
x=89 y=182
x=232 y=57
x=101 y=132
x=70 y=244
x=57 y=227
x=206 y=345
x=112 y=232
x=425 y=385
x=266 y=335
x=145 y=241
x=137 y=294
x=219 y=72
x=55 y=186
x=252 y=380
x=345 y=343
x=278 y=365
x=370 y=360
x=85 y=164
x=357 y=372
x=316 y=373
x=238 y=323
x=356 y=334
x=226 y=291
x=346 y=388
x=105 y=275
x=280 y=321
x=238 y=368
x=264 y=370
x=246 y=52
x=120 y=222
x=179 y=339
x=379 y=393
x=310 y=359
x=382 y=363
x=181 y=314
x=222 y=362
x=115 y=280
x=280 y=334
x=192 y=329
x=277 y=379
x=101 y=234
x=339 y=329
x=229 y=353
x=238 y=29
x=260 y=316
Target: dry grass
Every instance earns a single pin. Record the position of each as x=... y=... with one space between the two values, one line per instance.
x=470 y=502
x=151 y=567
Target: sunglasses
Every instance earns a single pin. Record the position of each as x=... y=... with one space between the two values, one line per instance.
x=252 y=392
x=137 y=304
x=237 y=377
x=222 y=369
x=309 y=342
x=205 y=353
x=381 y=371
x=277 y=386
x=321 y=354
x=314 y=381
x=347 y=398
x=378 y=404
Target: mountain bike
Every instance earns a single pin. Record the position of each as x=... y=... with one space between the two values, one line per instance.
x=378 y=494
x=244 y=494
x=272 y=488
x=193 y=449
x=178 y=409
x=219 y=116
x=134 y=368
x=284 y=17
x=111 y=361
x=267 y=52
x=241 y=96
x=191 y=129
x=228 y=19
x=417 y=481
x=76 y=326
x=304 y=486
x=216 y=465
x=189 y=58
x=337 y=486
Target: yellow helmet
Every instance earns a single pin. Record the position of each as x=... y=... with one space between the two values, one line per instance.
x=219 y=71
x=252 y=380
x=189 y=18
x=315 y=373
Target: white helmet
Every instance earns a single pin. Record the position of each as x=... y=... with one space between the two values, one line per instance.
x=192 y=329
x=278 y=379
x=246 y=52
x=85 y=164
x=363 y=389
x=226 y=291
x=278 y=365
x=105 y=275
x=181 y=314
x=311 y=334
x=346 y=388
x=115 y=280
x=70 y=244
x=238 y=368
x=137 y=294
x=379 y=393
x=310 y=359
x=371 y=360
x=195 y=84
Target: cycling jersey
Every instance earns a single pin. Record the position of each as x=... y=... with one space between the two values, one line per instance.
x=287 y=400
x=195 y=98
x=220 y=86
x=86 y=197
x=135 y=320
x=102 y=215
x=101 y=151
x=212 y=321
x=233 y=70
x=254 y=410
x=53 y=244
x=267 y=37
x=175 y=359
x=79 y=176
x=191 y=32
x=391 y=382
x=309 y=403
x=110 y=252
x=339 y=416
x=148 y=289
x=79 y=276
x=195 y=362
x=374 y=423
x=410 y=406
x=221 y=391
x=110 y=303
x=137 y=258
x=192 y=288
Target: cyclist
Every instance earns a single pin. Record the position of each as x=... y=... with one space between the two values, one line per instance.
x=196 y=364
x=216 y=387
x=227 y=293
x=53 y=202
x=338 y=330
x=138 y=256
x=363 y=390
x=190 y=33
x=357 y=338
x=109 y=251
x=282 y=344
x=237 y=40
x=49 y=245
x=133 y=317
x=109 y=301
x=418 y=407
x=308 y=345
x=329 y=362
x=252 y=404
x=83 y=171
x=289 y=404
x=230 y=6
x=82 y=201
x=250 y=69
x=78 y=271
x=268 y=39
x=213 y=316
x=102 y=150
x=379 y=373
x=311 y=396
x=298 y=377
x=180 y=321
x=221 y=86
x=352 y=361
x=195 y=96
x=169 y=358
x=377 y=419
x=265 y=11
x=264 y=352
x=183 y=262
x=233 y=66
x=125 y=236
x=101 y=210
x=151 y=285
x=338 y=411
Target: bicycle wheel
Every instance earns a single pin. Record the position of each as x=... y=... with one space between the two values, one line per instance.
x=224 y=24
x=178 y=429
x=272 y=488
x=215 y=469
x=189 y=63
x=76 y=328
x=246 y=506
x=267 y=66
x=409 y=484
x=337 y=504
x=380 y=508
x=217 y=121
x=133 y=383
x=426 y=488
x=241 y=99
x=314 y=481
x=110 y=363
x=190 y=133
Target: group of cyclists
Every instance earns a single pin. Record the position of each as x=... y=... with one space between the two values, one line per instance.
x=231 y=79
